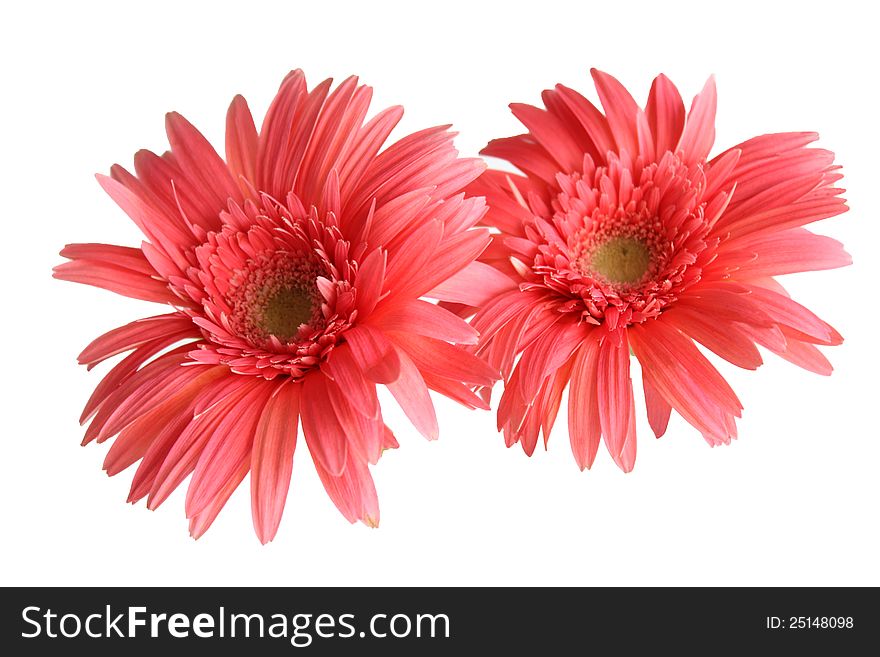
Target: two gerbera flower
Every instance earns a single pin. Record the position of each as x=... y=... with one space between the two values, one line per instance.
x=303 y=271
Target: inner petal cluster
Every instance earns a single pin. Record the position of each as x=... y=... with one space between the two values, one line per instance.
x=276 y=295
x=276 y=286
x=618 y=243
x=622 y=251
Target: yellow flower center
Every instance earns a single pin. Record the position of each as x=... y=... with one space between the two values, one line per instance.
x=621 y=260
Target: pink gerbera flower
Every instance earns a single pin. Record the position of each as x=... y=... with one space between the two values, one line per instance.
x=294 y=271
x=623 y=238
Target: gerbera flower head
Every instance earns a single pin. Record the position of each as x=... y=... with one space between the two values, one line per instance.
x=623 y=237
x=295 y=272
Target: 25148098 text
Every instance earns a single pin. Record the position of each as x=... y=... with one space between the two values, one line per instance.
x=809 y=622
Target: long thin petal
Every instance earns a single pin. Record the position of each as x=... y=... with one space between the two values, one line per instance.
x=614 y=391
x=685 y=379
x=621 y=110
x=343 y=369
x=412 y=394
x=242 y=142
x=324 y=434
x=271 y=461
x=550 y=133
x=199 y=161
x=665 y=112
x=353 y=492
x=699 y=128
x=443 y=359
x=657 y=407
x=584 y=428
x=135 y=334
x=373 y=353
x=724 y=338
x=423 y=318
x=473 y=286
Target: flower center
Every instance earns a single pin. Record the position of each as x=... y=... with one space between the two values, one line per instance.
x=620 y=260
x=285 y=311
x=276 y=296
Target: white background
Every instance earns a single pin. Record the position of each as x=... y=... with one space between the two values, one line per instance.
x=794 y=501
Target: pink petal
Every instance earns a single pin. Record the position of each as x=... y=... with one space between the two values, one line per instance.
x=164 y=232
x=549 y=132
x=199 y=161
x=525 y=154
x=342 y=113
x=615 y=394
x=410 y=255
x=280 y=152
x=135 y=334
x=789 y=252
x=202 y=521
x=411 y=393
x=343 y=369
x=373 y=353
x=584 y=428
x=725 y=339
x=444 y=360
x=370 y=280
x=353 y=491
x=657 y=407
x=395 y=221
x=324 y=434
x=271 y=461
x=552 y=399
x=591 y=119
x=369 y=140
x=364 y=433
x=124 y=257
x=115 y=279
x=789 y=313
x=548 y=353
x=228 y=449
x=214 y=391
x=665 y=112
x=474 y=285
x=186 y=451
x=168 y=418
x=139 y=392
x=683 y=377
x=424 y=318
x=451 y=256
x=627 y=458
x=242 y=142
x=807 y=356
x=699 y=128
x=621 y=110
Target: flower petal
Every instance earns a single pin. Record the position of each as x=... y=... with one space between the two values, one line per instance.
x=324 y=434
x=621 y=110
x=584 y=428
x=699 y=128
x=683 y=377
x=615 y=393
x=665 y=113
x=353 y=491
x=657 y=407
x=242 y=142
x=373 y=353
x=424 y=318
x=411 y=393
x=271 y=460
